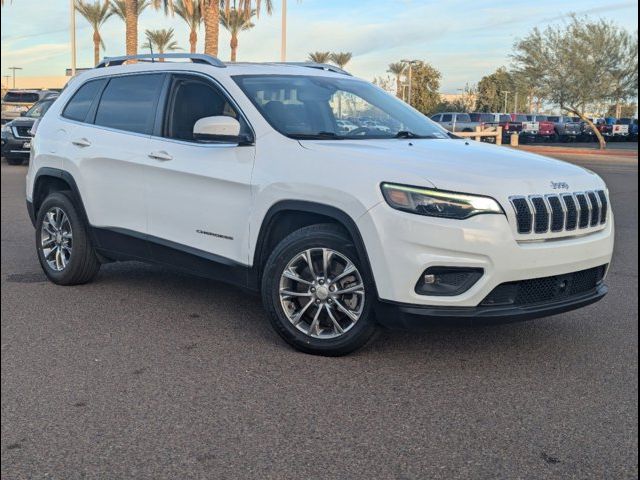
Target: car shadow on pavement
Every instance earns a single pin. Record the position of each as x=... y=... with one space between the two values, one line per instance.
x=179 y=295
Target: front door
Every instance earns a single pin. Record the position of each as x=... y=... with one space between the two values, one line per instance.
x=199 y=193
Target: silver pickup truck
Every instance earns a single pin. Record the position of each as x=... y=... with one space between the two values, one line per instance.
x=456 y=122
x=565 y=128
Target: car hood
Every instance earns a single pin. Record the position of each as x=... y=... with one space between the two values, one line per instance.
x=22 y=122
x=463 y=166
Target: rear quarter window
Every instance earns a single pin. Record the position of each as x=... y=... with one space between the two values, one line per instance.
x=80 y=104
x=463 y=117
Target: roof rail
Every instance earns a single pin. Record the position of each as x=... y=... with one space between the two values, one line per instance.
x=319 y=66
x=194 y=57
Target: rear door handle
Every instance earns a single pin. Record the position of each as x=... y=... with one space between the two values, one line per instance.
x=161 y=155
x=81 y=142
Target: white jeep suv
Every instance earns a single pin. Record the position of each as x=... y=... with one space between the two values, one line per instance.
x=241 y=173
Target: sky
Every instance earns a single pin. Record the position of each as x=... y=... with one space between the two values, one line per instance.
x=463 y=39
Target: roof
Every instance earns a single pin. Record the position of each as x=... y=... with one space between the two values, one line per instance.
x=159 y=62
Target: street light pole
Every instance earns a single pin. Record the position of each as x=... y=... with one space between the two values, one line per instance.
x=72 y=26
x=411 y=63
x=283 y=46
x=14 y=74
x=506 y=95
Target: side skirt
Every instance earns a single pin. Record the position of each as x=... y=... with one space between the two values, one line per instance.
x=125 y=245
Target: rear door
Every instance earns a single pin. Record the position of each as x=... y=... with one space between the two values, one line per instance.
x=109 y=152
x=200 y=193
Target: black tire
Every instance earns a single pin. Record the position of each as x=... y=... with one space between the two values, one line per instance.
x=83 y=264
x=15 y=161
x=317 y=236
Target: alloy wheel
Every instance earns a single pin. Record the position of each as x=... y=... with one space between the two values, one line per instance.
x=322 y=293
x=56 y=239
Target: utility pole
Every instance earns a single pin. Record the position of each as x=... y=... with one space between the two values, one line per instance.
x=411 y=63
x=72 y=26
x=283 y=46
x=506 y=95
x=14 y=74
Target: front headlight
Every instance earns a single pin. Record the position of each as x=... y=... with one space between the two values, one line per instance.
x=438 y=203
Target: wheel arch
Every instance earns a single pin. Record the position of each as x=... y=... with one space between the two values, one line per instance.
x=287 y=216
x=48 y=180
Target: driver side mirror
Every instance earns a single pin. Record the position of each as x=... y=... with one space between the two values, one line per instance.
x=219 y=129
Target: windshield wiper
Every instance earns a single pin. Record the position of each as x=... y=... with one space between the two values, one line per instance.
x=408 y=134
x=316 y=136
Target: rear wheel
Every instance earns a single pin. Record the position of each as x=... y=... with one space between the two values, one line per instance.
x=63 y=244
x=317 y=293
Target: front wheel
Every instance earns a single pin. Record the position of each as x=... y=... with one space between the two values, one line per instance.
x=317 y=293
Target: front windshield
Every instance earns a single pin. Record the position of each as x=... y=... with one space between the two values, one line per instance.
x=39 y=109
x=314 y=107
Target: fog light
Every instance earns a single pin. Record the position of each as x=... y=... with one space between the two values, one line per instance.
x=448 y=281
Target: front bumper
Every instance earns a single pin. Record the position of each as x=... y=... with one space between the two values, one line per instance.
x=402 y=246
x=397 y=315
x=13 y=147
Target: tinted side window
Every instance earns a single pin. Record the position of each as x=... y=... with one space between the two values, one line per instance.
x=447 y=118
x=129 y=103
x=191 y=100
x=462 y=117
x=80 y=103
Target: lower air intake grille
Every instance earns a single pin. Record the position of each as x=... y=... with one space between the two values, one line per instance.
x=547 y=289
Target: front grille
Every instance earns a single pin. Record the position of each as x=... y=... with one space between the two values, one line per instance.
x=21 y=131
x=547 y=289
x=558 y=213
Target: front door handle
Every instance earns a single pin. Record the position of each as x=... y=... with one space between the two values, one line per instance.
x=81 y=142
x=161 y=155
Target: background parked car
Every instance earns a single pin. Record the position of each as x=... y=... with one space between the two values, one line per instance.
x=565 y=128
x=509 y=126
x=632 y=123
x=546 y=129
x=530 y=128
x=16 y=134
x=455 y=121
x=619 y=131
x=16 y=102
x=485 y=120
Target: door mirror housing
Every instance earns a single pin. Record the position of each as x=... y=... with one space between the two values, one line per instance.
x=219 y=129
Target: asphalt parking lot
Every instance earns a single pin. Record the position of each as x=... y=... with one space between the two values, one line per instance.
x=149 y=374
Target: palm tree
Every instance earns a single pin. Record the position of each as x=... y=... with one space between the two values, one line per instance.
x=320 y=57
x=119 y=9
x=191 y=13
x=129 y=11
x=341 y=58
x=96 y=14
x=211 y=17
x=397 y=69
x=236 y=21
x=161 y=41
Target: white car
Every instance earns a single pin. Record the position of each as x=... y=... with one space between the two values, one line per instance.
x=238 y=172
